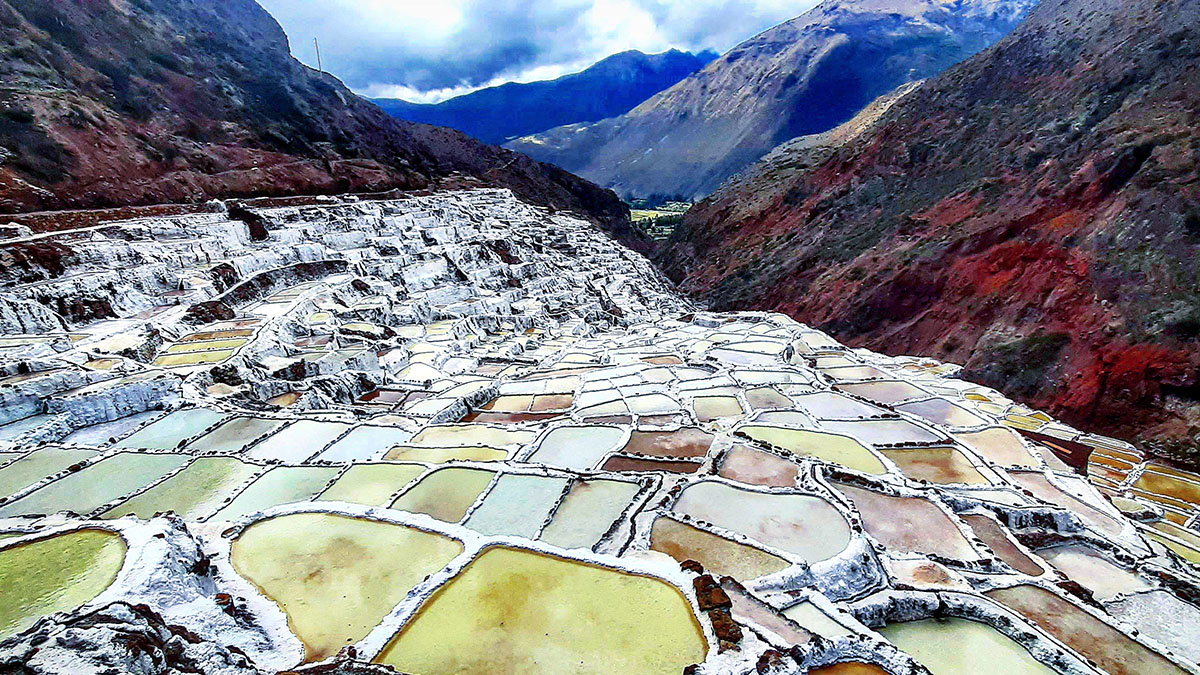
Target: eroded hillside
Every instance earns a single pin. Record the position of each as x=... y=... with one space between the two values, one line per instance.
x=1032 y=212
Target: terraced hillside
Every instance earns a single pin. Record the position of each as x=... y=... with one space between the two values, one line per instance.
x=459 y=433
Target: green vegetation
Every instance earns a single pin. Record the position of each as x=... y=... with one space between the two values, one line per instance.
x=657 y=217
x=1020 y=368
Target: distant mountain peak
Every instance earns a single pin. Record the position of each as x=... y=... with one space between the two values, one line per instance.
x=610 y=87
x=804 y=76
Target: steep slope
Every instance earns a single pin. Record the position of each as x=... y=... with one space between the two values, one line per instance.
x=120 y=102
x=802 y=77
x=609 y=88
x=1033 y=212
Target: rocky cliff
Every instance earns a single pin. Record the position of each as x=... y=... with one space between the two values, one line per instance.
x=1032 y=212
x=119 y=102
x=802 y=77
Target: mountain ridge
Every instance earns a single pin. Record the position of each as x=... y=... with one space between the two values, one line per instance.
x=804 y=76
x=165 y=101
x=610 y=87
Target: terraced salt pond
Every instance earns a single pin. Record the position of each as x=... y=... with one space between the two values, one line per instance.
x=831 y=405
x=234 y=435
x=754 y=467
x=97 y=484
x=407 y=453
x=588 y=512
x=829 y=447
x=40 y=464
x=577 y=447
x=717 y=554
x=516 y=611
x=445 y=494
x=935 y=465
x=1000 y=446
x=909 y=524
x=278 y=486
x=1109 y=648
x=168 y=432
x=805 y=525
x=1041 y=487
x=993 y=534
x=1103 y=578
x=55 y=574
x=372 y=484
x=884 y=432
x=816 y=621
x=849 y=668
x=517 y=504
x=193 y=493
x=298 y=441
x=335 y=577
x=957 y=646
x=365 y=443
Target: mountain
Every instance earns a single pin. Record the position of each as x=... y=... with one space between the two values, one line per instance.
x=1032 y=212
x=129 y=102
x=609 y=88
x=802 y=77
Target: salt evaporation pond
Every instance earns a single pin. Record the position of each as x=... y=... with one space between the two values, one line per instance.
x=39 y=465
x=168 y=432
x=577 y=447
x=278 y=486
x=517 y=505
x=234 y=434
x=849 y=668
x=364 y=443
x=829 y=447
x=1100 y=576
x=936 y=465
x=993 y=534
x=298 y=441
x=717 y=554
x=1001 y=446
x=813 y=619
x=754 y=467
x=97 y=484
x=806 y=525
x=445 y=494
x=336 y=577
x=588 y=511
x=55 y=574
x=909 y=524
x=517 y=611
x=1109 y=648
x=372 y=484
x=959 y=646
x=193 y=493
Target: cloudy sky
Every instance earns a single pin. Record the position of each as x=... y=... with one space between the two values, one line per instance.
x=428 y=50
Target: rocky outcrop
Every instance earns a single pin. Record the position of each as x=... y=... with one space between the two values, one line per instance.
x=260 y=286
x=118 y=638
x=802 y=77
x=1030 y=212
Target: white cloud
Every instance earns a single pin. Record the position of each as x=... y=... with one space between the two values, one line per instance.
x=429 y=50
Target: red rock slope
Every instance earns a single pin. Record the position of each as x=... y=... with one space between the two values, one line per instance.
x=1033 y=212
